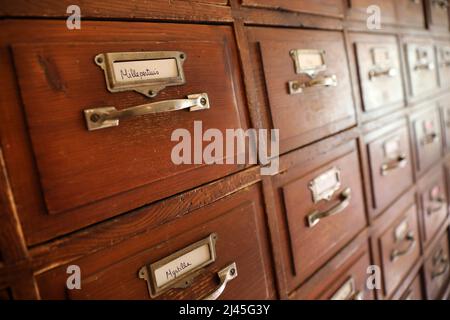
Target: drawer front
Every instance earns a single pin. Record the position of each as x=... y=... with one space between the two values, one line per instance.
x=427 y=139
x=437 y=269
x=410 y=12
x=118 y=273
x=434 y=206
x=60 y=80
x=400 y=248
x=414 y=291
x=445 y=120
x=324 y=210
x=390 y=166
x=437 y=13
x=421 y=68
x=334 y=8
x=342 y=278
x=379 y=72
x=358 y=9
x=443 y=58
x=307 y=81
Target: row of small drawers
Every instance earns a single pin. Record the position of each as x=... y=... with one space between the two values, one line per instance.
x=409 y=13
x=58 y=79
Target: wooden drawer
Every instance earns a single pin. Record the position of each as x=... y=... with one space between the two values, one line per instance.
x=390 y=164
x=396 y=243
x=421 y=65
x=320 y=209
x=342 y=278
x=437 y=14
x=80 y=170
x=333 y=8
x=444 y=107
x=443 y=60
x=433 y=198
x=237 y=223
x=307 y=79
x=410 y=13
x=358 y=9
x=437 y=269
x=379 y=71
x=414 y=290
x=427 y=143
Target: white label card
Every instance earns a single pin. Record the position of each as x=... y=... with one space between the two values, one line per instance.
x=142 y=70
x=182 y=265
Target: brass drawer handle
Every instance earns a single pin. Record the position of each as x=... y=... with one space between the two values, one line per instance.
x=425 y=66
x=397 y=253
x=392 y=165
x=389 y=72
x=357 y=296
x=106 y=117
x=430 y=138
x=440 y=201
x=444 y=269
x=344 y=202
x=325 y=81
x=225 y=275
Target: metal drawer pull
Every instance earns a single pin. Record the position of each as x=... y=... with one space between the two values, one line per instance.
x=442 y=4
x=398 y=253
x=316 y=216
x=225 y=275
x=425 y=66
x=325 y=81
x=389 y=72
x=106 y=117
x=430 y=138
x=440 y=201
x=444 y=269
x=394 y=164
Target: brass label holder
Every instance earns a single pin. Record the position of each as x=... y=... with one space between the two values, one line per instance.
x=180 y=268
x=144 y=72
x=325 y=185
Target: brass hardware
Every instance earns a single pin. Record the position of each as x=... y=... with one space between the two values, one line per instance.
x=424 y=63
x=424 y=66
x=344 y=202
x=442 y=4
x=144 y=72
x=389 y=72
x=436 y=198
x=398 y=163
x=225 y=275
x=325 y=81
x=397 y=253
x=348 y=292
x=308 y=61
x=430 y=138
x=442 y=261
x=105 y=117
x=325 y=185
x=180 y=268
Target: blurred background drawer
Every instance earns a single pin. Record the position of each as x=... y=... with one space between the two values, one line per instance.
x=342 y=278
x=414 y=290
x=433 y=198
x=236 y=224
x=390 y=164
x=443 y=60
x=80 y=170
x=437 y=14
x=379 y=72
x=437 y=269
x=444 y=107
x=307 y=80
x=334 y=8
x=396 y=243
x=421 y=66
x=320 y=209
x=410 y=13
x=427 y=142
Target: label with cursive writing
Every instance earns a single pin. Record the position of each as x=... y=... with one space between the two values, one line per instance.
x=182 y=265
x=144 y=70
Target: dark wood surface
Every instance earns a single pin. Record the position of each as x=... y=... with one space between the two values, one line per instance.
x=59 y=208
